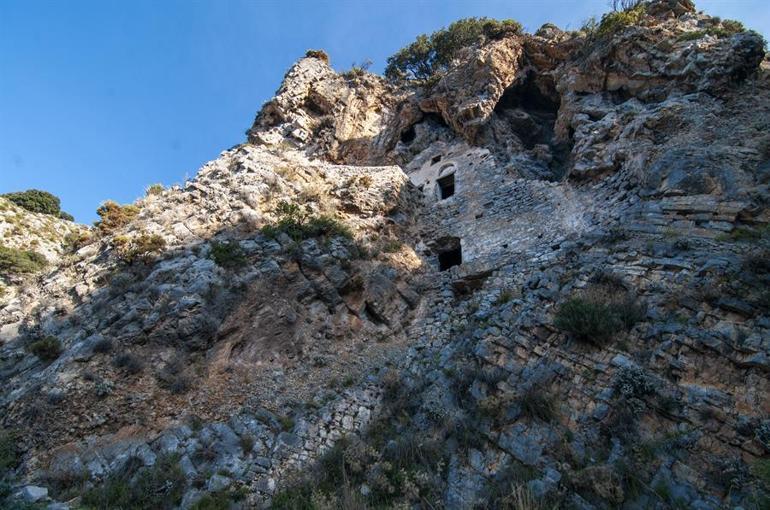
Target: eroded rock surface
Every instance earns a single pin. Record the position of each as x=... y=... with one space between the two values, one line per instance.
x=538 y=169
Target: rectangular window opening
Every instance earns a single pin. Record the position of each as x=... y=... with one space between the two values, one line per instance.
x=446 y=186
x=450 y=258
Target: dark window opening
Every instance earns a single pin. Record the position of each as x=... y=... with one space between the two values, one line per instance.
x=450 y=258
x=409 y=135
x=435 y=159
x=446 y=186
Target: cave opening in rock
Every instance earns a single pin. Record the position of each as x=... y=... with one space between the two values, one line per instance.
x=531 y=111
x=446 y=186
x=450 y=258
x=408 y=135
x=531 y=106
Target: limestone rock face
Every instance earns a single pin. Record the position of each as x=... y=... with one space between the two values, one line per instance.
x=650 y=63
x=354 y=118
x=542 y=276
x=466 y=96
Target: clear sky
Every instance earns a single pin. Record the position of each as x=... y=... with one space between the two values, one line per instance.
x=100 y=98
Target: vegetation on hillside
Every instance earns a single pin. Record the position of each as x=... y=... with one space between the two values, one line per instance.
x=299 y=223
x=726 y=28
x=47 y=348
x=159 y=486
x=140 y=248
x=37 y=201
x=432 y=54
x=114 y=216
x=319 y=54
x=598 y=313
x=14 y=261
x=228 y=254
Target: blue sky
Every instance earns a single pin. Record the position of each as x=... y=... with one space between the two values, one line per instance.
x=100 y=98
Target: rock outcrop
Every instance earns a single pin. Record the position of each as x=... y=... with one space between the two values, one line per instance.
x=542 y=276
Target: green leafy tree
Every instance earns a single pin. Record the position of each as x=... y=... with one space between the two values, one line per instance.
x=37 y=201
x=434 y=53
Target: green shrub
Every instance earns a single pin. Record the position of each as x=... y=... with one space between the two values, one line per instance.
x=319 y=54
x=597 y=315
x=589 y=321
x=427 y=55
x=36 y=201
x=247 y=443
x=287 y=423
x=392 y=246
x=14 y=261
x=732 y=27
x=9 y=454
x=632 y=382
x=132 y=364
x=358 y=70
x=727 y=28
x=154 y=189
x=221 y=500
x=76 y=240
x=47 y=348
x=114 y=216
x=299 y=224
x=141 y=248
x=504 y=297
x=745 y=234
x=228 y=254
x=538 y=404
x=66 y=216
x=173 y=377
x=615 y=21
x=159 y=487
x=295 y=497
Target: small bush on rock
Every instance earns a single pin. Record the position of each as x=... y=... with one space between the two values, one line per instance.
x=102 y=346
x=159 y=487
x=128 y=362
x=599 y=313
x=154 y=189
x=228 y=254
x=392 y=246
x=173 y=377
x=587 y=320
x=47 y=349
x=76 y=240
x=114 y=216
x=142 y=248
x=14 y=261
x=319 y=54
x=9 y=454
x=633 y=383
x=222 y=500
x=538 y=404
x=615 y=21
x=299 y=224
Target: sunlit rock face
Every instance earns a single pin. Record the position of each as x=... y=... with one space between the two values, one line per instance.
x=541 y=275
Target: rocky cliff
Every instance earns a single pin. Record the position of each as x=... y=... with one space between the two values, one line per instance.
x=539 y=280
